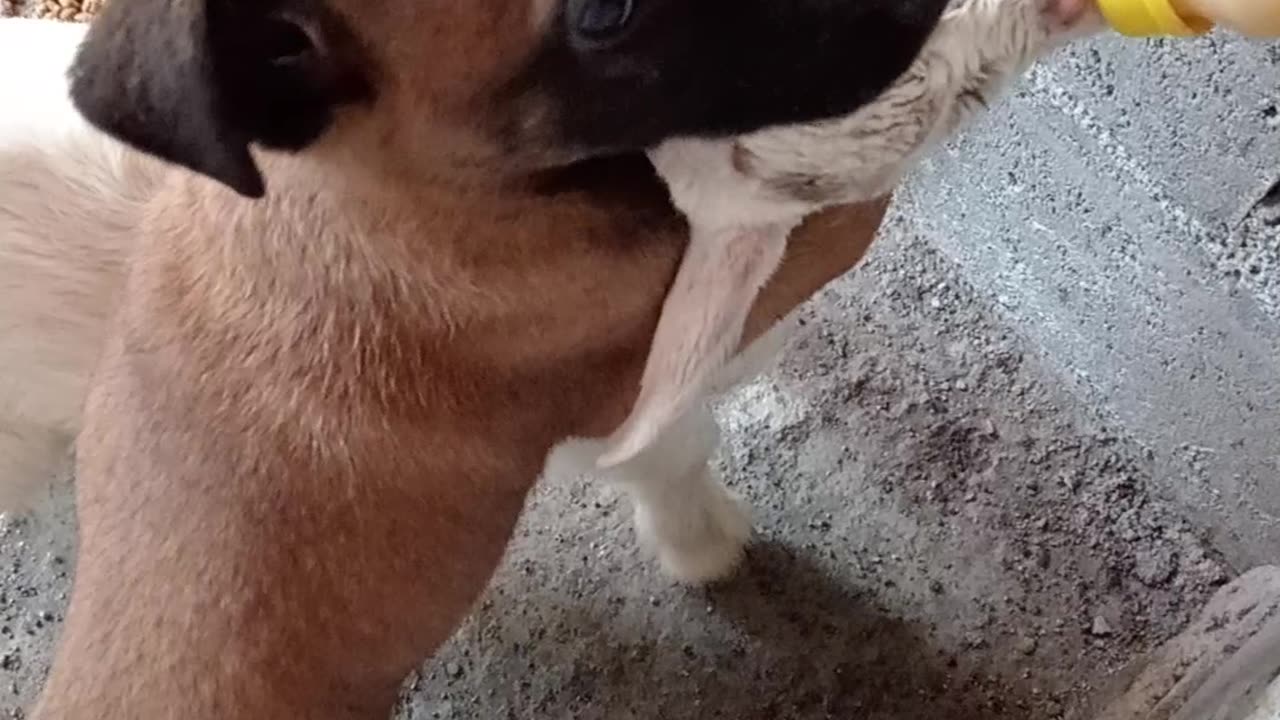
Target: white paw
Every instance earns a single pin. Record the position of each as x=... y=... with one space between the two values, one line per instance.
x=698 y=545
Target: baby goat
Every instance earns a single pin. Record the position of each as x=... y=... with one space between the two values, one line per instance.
x=744 y=195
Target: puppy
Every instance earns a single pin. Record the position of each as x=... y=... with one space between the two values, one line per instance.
x=744 y=195
x=315 y=416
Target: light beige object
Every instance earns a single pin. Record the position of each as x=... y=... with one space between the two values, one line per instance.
x=1269 y=707
x=1223 y=667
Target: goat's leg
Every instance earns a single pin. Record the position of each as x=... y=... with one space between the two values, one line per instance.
x=683 y=512
x=700 y=329
x=697 y=527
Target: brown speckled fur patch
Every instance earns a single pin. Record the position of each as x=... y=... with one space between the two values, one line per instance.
x=67 y=10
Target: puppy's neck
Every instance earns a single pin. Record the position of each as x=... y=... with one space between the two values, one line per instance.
x=422 y=277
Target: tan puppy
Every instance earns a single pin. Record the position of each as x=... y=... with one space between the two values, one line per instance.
x=317 y=415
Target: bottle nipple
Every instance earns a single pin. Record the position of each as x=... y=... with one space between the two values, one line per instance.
x=1145 y=18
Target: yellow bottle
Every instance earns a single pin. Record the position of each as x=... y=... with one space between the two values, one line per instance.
x=1254 y=18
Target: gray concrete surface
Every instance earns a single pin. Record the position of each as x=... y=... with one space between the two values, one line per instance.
x=1124 y=212
x=1009 y=456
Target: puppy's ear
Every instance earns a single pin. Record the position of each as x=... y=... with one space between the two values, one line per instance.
x=699 y=330
x=195 y=82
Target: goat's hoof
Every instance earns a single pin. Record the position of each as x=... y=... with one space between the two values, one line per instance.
x=709 y=547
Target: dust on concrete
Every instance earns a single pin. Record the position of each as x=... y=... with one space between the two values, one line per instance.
x=943 y=533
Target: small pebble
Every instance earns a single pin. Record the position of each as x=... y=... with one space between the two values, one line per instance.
x=1100 y=627
x=1155 y=566
x=1027 y=645
x=1043 y=558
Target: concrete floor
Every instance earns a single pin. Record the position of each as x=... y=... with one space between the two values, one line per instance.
x=1124 y=213
x=1015 y=450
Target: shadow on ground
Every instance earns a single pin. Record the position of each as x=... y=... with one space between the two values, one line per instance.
x=791 y=641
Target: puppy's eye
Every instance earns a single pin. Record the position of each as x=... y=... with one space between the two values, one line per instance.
x=599 y=21
x=285 y=43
